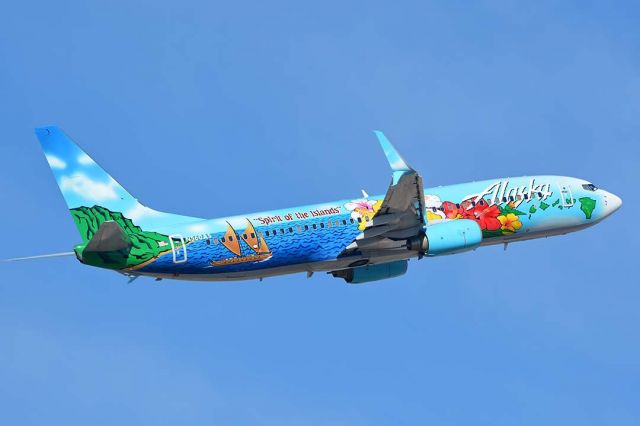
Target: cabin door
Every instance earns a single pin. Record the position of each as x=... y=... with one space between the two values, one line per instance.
x=179 y=248
x=566 y=197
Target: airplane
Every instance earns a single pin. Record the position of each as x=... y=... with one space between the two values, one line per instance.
x=358 y=240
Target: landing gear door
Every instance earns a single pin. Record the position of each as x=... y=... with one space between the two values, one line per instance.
x=179 y=248
x=566 y=196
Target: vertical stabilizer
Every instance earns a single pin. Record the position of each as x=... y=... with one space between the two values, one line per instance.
x=92 y=195
x=82 y=181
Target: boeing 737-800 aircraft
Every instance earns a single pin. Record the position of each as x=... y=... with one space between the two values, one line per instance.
x=360 y=240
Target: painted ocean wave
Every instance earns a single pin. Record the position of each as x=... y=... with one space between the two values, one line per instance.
x=313 y=245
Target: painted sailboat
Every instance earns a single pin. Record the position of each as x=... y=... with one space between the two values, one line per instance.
x=231 y=241
x=254 y=240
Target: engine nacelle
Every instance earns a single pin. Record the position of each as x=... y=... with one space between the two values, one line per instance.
x=450 y=237
x=368 y=273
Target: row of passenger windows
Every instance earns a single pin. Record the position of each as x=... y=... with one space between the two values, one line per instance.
x=321 y=225
x=298 y=228
x=329 y=224
x=343 y=222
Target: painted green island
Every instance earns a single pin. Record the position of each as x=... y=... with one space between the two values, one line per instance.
x=145 y=245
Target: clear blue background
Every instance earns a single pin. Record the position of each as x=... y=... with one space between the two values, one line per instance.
x=213 y=108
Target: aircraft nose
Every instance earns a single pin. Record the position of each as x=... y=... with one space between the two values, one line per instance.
x=612 y=202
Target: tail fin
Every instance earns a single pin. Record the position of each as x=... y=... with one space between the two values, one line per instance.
x=92 y=195
x=82 y=181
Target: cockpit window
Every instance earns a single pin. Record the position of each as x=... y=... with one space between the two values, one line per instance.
x=589 y=187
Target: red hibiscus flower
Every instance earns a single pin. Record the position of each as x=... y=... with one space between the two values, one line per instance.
x=452 y=210
x=485 y=215
x=466 y=206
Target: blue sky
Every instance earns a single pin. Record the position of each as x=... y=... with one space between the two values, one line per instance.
x=210 y=109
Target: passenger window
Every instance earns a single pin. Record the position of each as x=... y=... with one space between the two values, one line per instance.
x=299 y=228
x=290 y=230
x=208 y=242
x=253 y=235
x=590 y=187
x=222 y=239
x=359 y=220
x=282 y=230
x=230 y=238
x=314 y=226
x=504 y=199
x=215 y=241
x=344 y=221
x=244 y=236
x=351 y=220
x=526 y=196
x=306 y=227
x=321 y=224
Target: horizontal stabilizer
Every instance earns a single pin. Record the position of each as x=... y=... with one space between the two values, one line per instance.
x=109 y=237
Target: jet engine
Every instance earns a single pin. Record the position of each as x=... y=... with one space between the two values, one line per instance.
x=450 y=237
x=368 y=273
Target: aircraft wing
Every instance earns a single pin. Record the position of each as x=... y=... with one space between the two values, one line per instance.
x=401 y=215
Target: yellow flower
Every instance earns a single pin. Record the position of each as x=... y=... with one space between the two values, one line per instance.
x=368 y=214
x=510 y=223
x=432 y=217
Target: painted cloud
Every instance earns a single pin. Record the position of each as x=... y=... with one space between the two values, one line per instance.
x=88 y=189
x=55 y=162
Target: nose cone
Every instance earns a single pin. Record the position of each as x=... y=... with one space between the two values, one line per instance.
x=612 y=203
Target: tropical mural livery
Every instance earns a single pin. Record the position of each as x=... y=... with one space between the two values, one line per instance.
x=141 y=240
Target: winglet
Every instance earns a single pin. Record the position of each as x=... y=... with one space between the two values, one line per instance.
x=394 y=158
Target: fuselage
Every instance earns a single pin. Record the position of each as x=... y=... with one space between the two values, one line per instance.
x=313 y=238
x=359 y=240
